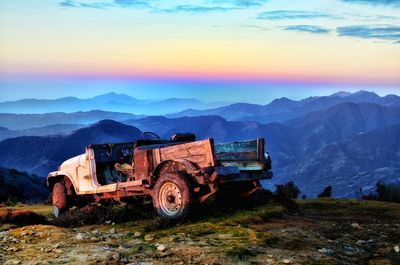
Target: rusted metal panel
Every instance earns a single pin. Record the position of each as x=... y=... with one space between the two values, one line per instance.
x=143 y=163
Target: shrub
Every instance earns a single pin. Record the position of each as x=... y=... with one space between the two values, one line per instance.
x=384 y=192
x=287 y=191
x=286 y=194
x=326 y=193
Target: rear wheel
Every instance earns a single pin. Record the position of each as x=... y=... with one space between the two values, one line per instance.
x=173 y=197
x=59 y=199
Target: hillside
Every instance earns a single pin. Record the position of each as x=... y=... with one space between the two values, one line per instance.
x=357 y=163
x=53 y=129
x=18 y=186
x=325 y=232
x=41 y=154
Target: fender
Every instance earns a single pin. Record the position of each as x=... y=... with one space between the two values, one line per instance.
x=56 y=175
x=175 y=165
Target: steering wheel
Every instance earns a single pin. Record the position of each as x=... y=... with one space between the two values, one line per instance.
x=149 y=136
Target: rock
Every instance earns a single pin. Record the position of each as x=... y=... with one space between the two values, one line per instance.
x=57 y=251
x=396 y=249
x=12 y=262
x=13 y=249
x=137 y=234
x=355 y=225
x=55 y=246
x=149 y=237
x=360 y=242
x=107 y=222
x=79 y=236
x=94 y=239
x=325 y=250
x=95 y=232
x=161 y=247
x=287 y=261
x=379 y=262
x=116 y=255
x=112 y=231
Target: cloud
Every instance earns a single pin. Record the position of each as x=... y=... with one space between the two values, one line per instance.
x=375 y=2
x=308 y=28
x=378 y=32
x=213 y=5
x=241 y=3
x=103 y=5
x=291 y=14
x=196 y=9
x=132 y=3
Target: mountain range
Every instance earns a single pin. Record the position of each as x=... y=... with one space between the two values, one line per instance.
x=108 y=102
x=13 y=121
x=283 y=109
x=345 y=140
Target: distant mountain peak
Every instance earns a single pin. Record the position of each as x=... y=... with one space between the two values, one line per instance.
x=341 y=94
x=365 y=93
x=105 y=123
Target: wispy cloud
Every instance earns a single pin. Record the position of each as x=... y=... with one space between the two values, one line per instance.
x=291 y=14
x=195 y=9
x=206 y=7
x=308 y=28
x=378 y=32
x=375 y=2
x=241 y=3
x=97 y=5
x=103 y=5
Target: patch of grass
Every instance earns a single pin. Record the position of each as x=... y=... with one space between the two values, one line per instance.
x=20 y=217
x=41 y=209
x=142 y=247
x=98 y=214
x=350 y=208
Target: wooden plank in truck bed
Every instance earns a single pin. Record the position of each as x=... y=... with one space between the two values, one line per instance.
x=199 y=152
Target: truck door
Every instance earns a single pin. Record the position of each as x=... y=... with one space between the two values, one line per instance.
x=85 y=171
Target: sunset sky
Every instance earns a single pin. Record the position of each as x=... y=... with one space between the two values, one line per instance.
x=231 y=50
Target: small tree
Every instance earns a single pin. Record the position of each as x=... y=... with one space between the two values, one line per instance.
x=326 y=193
x=384 y=192
x=286 y=193
x=288 y=190
x=388 y=192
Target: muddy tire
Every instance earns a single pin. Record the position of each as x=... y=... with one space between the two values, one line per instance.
x=173 y=196
x=59 y=199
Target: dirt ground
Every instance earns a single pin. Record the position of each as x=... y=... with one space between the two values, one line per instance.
x=325 y=231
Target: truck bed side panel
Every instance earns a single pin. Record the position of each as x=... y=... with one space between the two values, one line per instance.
x=200 y=152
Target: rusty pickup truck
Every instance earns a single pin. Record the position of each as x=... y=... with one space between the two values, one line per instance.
x=176 y=173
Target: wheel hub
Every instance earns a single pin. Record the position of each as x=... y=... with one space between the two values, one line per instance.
x=170 y=198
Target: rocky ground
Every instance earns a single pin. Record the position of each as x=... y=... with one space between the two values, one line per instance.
x=323 y=232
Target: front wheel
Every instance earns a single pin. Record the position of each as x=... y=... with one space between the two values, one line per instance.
x=173 y=197
x=59 y=199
